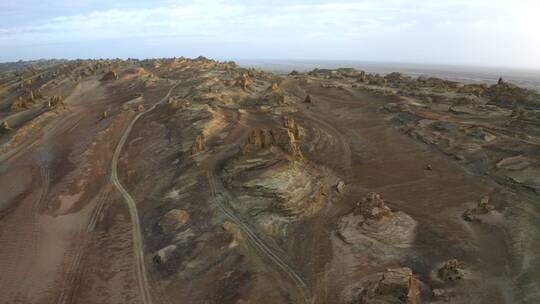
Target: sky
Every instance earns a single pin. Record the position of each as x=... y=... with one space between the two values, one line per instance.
x=498 y=33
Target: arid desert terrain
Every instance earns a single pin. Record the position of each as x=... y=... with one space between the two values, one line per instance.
x=181 y=180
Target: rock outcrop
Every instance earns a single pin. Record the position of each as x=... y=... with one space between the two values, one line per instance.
x=362 y=77
x=483 y=208
x=284 y=138
x=162 y=256
x=451 y=270
x=198 y=145
x=400 y=284
x=508 y=95
x=26 y=83
x=274 y=183
x=398 y=78
x=56 y=102
x=109 y=76
x=376 y=80
x=4 y=127
x=374 y=229
x=340 y=187
x=20 y=105
x=372 y=207
x=395 y=285
x=473 y=89
x=244 y=81
x=275 y=95
x=173 y=220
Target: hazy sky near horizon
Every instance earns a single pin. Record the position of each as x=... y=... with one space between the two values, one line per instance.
x=469 y=32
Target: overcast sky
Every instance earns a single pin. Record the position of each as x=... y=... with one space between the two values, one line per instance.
x=468 y=32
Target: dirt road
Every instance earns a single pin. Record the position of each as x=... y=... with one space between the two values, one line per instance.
x=257 y=242
x=142 y=280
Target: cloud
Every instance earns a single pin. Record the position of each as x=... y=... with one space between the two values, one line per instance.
x=395 y=30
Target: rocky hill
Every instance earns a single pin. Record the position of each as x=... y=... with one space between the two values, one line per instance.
x=198 y=181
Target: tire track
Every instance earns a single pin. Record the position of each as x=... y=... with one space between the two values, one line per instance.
x=69 y=290
x=17 y=265
x=336 y=134
x=258 y=243
x=140 y=267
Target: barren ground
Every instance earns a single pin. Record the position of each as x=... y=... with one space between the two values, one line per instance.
x=194 y=181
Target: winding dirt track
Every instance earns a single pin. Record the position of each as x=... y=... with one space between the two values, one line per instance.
x=140 y=267
x=257 y=242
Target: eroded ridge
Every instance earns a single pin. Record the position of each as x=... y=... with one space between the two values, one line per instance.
x=199 y=181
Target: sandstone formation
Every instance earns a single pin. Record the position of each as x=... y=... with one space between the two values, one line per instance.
x=275 y=95
x=399 y=283
x=20 y=104
x=483 y=208
x=109 y=76
x=56 y=102
x=244 y=81
x=340 y=187
x=274 y=183
x=4 y=127
x=451 y=270
x=281 y=137
x=373 y=229
x=198 y=145
x=372 y=207
x=395 y=285
x=398 y=78
x=162 y=256
x=173 y=220
x=376 y=80
x=509 y=95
